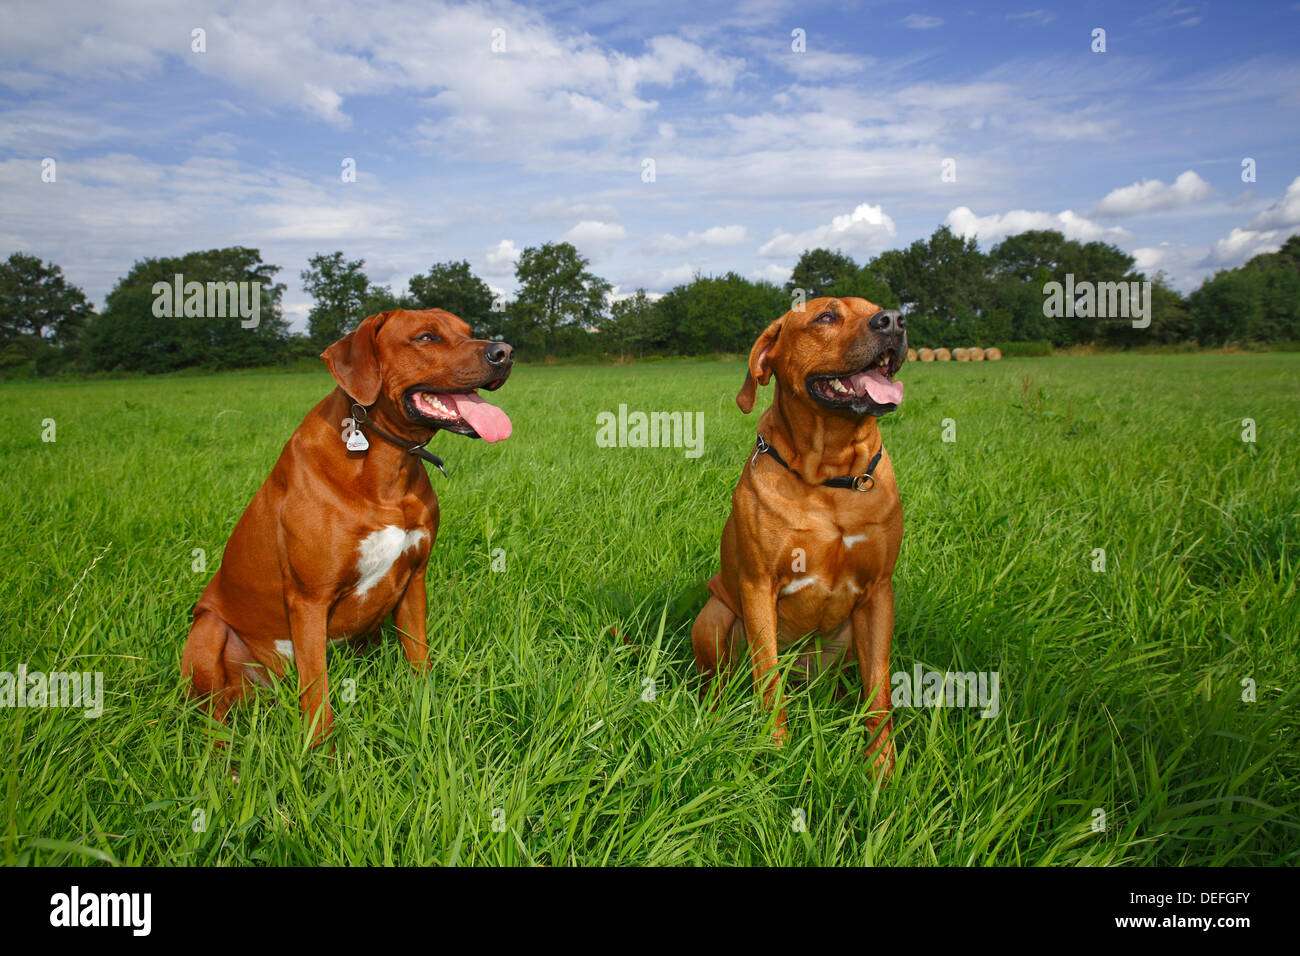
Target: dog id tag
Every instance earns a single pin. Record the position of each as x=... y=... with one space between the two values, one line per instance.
x=353 y=437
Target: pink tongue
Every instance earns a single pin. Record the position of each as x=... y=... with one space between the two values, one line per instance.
x=490 y=422
x=881 y=389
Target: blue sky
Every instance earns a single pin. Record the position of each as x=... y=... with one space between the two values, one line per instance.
x=464 y=151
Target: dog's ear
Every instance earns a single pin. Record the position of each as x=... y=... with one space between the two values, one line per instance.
x=759 y=371
x=354 y=360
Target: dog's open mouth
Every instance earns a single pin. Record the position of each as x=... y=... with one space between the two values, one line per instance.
x=462 y=412
x=869 y=390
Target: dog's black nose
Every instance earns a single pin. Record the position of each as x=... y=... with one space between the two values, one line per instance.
x=498 y=353
x=888 y=321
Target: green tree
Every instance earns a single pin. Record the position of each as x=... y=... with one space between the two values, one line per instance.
x=557 y=293
x=1171 y=320
x=41 y=314
x=1256 y=302
x=943 y=283
x=130 y=334
x=453 y=286
x=1017 y=308
x=819 y=269
x=863 y=283
x=1279 y=319
x=1226 y=306
x=631 y=326
x=341 y=292
x=380 y=298
x=717 y=314
x=1279 y=307
x=1039 y=256
x=1027 y=254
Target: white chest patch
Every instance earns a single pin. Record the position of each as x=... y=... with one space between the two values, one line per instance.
x=380 y=551
x=851 y=539
x=284 y=648
x=798 y=584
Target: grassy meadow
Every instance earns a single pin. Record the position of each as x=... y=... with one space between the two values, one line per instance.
x=560 y=723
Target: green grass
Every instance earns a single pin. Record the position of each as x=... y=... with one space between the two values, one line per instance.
x=1119 y=690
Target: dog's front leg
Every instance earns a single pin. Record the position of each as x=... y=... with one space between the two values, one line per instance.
x=307 y=630
x=411 y=620
x=758 y=598
x=873 y=629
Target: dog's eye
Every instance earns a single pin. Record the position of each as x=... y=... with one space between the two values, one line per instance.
x=427 y=337
x=826 y=317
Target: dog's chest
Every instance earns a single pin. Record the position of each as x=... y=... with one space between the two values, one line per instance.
x=380 y=550
x=827 y=577
x=377 y=574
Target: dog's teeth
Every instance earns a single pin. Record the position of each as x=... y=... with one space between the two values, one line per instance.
x=838 y=386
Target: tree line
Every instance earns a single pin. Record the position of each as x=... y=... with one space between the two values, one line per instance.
x=952 y=292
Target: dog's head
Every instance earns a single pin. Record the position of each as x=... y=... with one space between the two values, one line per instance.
x=425 y=368
x=839 y=355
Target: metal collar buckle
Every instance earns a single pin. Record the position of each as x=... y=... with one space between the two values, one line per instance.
x=361 y=417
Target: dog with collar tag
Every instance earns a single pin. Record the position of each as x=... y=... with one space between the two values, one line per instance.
x=338 y=536
x=816 y=522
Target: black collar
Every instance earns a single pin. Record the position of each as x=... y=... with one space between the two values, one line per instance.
x=862 y=482
x=360 y=416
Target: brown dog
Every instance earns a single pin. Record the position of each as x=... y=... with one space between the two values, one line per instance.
x=337 y=538
x=814 y=530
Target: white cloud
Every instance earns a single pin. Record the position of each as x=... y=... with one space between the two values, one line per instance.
x=675 y=276
x=772 y=272
x=1283 y=214
x=225 y=143
x=821 y=65
x=1265 y=233
x=717 y=236
x=865 y=230
x=548 y=85
x=1181 y=264
x=105 y=211
x=965 y=223
x=326 y=223
x=1242 y=244
x=618 y=293
x=1149 y=259
x=921 y=21
x=552 y=130
x=562 y=209
x=501 y=258
x=1152 y=195
x=595 y=238
x=55 y=128
x=1040 y=17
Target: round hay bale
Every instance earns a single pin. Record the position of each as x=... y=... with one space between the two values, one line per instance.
x=911 y=355
x=993 y=354
x=961 y=355
x=977 y=354
x=942 y=355
x=926 y=355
